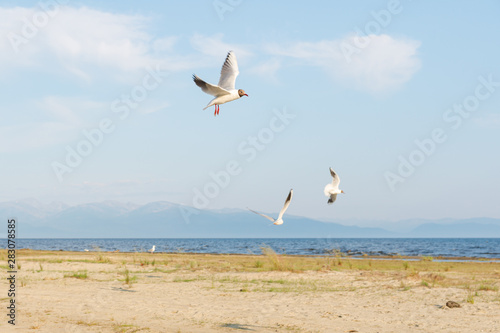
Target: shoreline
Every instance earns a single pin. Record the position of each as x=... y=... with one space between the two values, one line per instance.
x=343 y=256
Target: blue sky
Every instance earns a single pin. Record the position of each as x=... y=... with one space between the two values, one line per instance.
x=361 y=84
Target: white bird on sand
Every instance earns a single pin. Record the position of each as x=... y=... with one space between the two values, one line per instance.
x=224 y=92
x=279 y=220
x=331 y=190
x=152 y=249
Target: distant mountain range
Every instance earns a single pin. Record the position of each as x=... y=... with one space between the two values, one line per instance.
x=111 y=219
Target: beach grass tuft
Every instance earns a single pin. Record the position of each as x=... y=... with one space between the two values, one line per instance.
x=259 y=264
x=487 y=286
x=277 y=262
x=128 y=279
x=78 y=275
x=100 y=258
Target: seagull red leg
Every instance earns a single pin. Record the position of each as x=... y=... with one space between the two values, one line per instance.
x=215 y=112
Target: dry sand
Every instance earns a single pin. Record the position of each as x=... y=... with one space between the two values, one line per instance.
x=88 y=292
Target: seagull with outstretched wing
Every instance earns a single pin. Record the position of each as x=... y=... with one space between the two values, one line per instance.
x=279 y=220
x=225 y=91
x=331 y=190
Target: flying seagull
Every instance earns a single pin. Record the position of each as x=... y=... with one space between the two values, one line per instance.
x=331 y=190
x=279 y=220
x=152 y=249
x=224 y=92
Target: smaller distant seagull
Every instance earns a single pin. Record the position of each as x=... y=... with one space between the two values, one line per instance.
x=152 y=249
x=224 y=92
x=86 y=250
x=331 y=190
x=279 y=220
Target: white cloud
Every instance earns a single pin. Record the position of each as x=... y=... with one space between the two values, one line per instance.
x=90 y=36
x=84 y=42
x=267 y=69
x=383 y=65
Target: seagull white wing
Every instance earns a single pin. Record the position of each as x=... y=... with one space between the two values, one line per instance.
x=287 y=203
x=229 y=72
x=263 y=215
x=336 y=179
x=209 y=88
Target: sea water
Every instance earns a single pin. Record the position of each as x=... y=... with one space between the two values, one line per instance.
x=447 y=247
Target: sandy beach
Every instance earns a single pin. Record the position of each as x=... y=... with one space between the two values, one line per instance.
x=142 y=292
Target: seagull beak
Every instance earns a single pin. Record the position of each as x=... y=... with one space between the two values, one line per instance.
x=342 y=191
x=245 y=95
